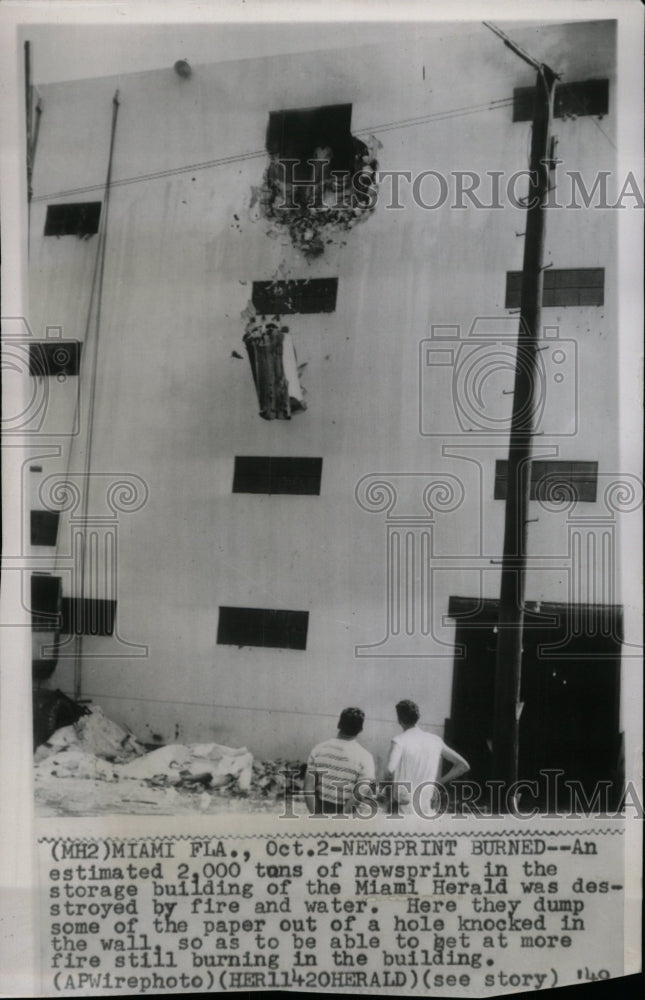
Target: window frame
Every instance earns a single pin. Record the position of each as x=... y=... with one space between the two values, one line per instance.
x=581 y=476
x=266 y=628
x=76 y=218
x=272 y=475
x=576 y=287
x=44 y=523
x=55 y=357
x=568 y=99
x=304 y=296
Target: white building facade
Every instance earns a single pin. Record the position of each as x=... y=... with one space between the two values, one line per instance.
x=214 y=575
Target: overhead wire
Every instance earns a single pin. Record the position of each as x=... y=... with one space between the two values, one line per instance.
x=98 y=285
x=257 y=154
x=223 y=161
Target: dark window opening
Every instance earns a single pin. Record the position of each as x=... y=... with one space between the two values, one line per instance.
x=312 y=133
x=304 y=295
x=44 y=654
x=585 y=97
x=87 y=616
x=581 y=286
x=262 y=627
x=45 y=602
x=55 y=357
x=78 y=219
x=554 y=481
x=319 y=175
x=257 y=474
x=43 y=527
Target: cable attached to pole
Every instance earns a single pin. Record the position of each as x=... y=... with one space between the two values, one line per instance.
x=97 y=286
x=510 y=621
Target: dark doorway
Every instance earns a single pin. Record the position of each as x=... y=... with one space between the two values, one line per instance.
x=570 y=690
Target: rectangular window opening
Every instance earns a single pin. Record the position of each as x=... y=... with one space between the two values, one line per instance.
x=266 y=474
x=87 y=616
x=45 y=602
x=307 y=133
x=55 y=357
x=43 y=525
x=262 y=627
x=574 y=286
x=553 y=481
x=571 y=100
x=304 y=295
x=80 y=219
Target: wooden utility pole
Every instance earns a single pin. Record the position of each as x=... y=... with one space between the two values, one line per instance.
x=31 y=128
x=510 y=624
x=28 y=129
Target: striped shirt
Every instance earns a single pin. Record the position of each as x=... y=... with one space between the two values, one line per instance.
x=337 y=765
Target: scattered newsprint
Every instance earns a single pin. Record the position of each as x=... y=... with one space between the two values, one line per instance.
x=322 y=493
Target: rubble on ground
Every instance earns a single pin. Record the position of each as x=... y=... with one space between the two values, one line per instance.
x=273 y=777
x=99 y=735
x=104 y=764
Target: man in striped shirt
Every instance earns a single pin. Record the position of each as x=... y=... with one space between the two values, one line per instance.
x=335 y=766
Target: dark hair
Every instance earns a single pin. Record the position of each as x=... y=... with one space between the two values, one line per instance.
x=351 y=721
x=407 y=712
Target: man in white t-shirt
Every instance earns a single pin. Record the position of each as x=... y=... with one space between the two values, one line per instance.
x=415 y=764
x=336 y=766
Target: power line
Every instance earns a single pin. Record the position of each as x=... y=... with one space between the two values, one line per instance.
x=523 y=54
x=78 y=662
x=440 y=115
x=256 y=154
x=159 y=174
x=602 y=132
x=515 y=47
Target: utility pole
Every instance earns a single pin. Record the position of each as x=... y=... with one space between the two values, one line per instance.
x=510 y=624
x=28 y=128
x=31 y=128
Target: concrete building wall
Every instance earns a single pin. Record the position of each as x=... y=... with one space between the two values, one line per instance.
x=173 y=405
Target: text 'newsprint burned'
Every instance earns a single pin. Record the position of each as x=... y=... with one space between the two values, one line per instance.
x=420 y=913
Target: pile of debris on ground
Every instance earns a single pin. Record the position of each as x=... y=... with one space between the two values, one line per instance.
x=275 y=777
x=95 y=749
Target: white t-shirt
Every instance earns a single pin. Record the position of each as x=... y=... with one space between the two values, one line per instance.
x=415 y=759
x=339 y=764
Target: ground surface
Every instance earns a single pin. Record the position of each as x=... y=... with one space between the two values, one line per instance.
x=68 y=796
x=95 y=768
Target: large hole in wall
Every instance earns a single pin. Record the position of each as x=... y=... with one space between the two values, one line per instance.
x=303 y=133
x=321 y=178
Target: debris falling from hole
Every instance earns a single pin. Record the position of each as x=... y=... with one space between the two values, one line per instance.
x=275 y=369
x=334 y=200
